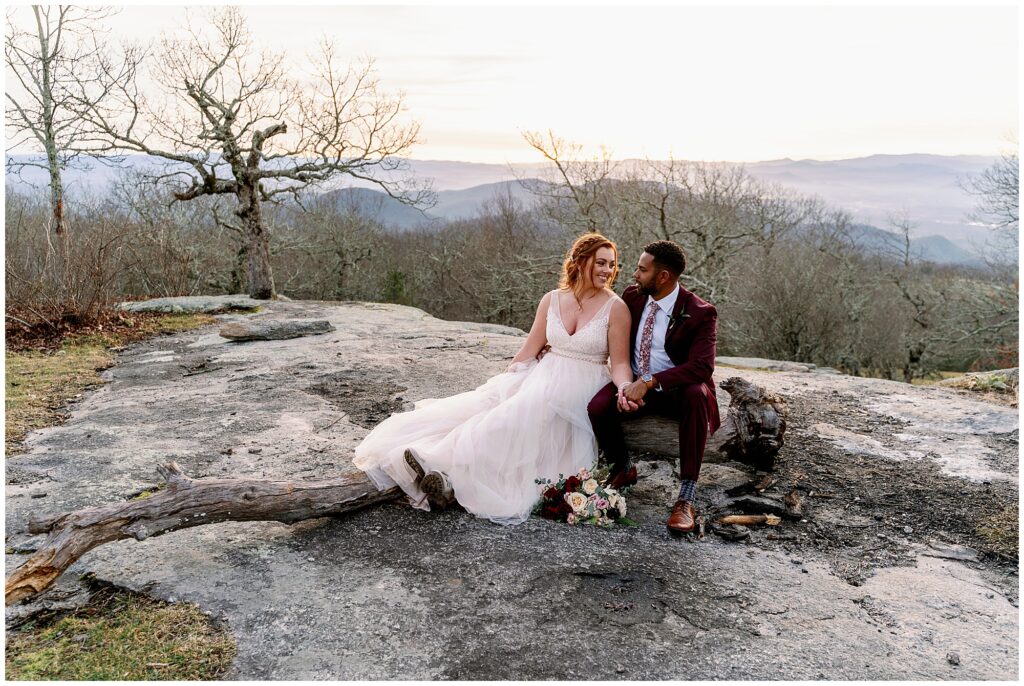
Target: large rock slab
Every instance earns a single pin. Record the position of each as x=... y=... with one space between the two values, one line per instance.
x=393 y=593
x=998 y=380
x=769 y=365
x=273 y=330
x=196 y=303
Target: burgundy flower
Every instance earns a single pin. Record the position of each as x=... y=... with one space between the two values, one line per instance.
x=553 y=512
x=571 y=484
x=552 y=493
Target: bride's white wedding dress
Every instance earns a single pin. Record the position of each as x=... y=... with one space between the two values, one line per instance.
x=494 y=441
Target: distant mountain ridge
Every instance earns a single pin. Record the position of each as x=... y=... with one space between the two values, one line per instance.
x=467 y=203
x=924 y=188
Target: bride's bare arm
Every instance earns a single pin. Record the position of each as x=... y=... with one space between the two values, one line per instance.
x=618 y=343
x=538 y=337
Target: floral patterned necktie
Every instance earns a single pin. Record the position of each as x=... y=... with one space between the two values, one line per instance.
x=646 y=339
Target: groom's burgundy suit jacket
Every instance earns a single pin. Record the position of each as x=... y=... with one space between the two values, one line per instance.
x=689 y=343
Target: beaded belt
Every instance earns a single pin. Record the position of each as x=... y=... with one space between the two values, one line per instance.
x=580 y=356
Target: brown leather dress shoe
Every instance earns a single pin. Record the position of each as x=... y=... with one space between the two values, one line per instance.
x=683 y=519
x=626 y=477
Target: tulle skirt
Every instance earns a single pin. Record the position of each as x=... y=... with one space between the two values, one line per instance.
x=495 y=441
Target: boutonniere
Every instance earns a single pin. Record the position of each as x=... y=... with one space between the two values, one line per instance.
x=672 y=321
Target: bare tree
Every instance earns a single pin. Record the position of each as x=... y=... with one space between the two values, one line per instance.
x=998 y=192
x=46 y=65
x=573 y=194
x=230 y=120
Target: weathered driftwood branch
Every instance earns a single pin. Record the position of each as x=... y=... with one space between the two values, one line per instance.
x=749 y=520
x=752 y=431
x=182 y=504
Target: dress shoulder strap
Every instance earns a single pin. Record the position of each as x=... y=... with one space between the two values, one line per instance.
x=553 y=302
x=606 y=307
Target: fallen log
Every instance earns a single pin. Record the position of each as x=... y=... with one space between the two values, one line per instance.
x=752 y=431
x=184 y=503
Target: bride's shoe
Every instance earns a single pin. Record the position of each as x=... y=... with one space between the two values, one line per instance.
x=438 y=489
x=435 y=484
x=414 y=464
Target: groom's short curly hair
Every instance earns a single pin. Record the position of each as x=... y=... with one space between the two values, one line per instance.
x=668 y=256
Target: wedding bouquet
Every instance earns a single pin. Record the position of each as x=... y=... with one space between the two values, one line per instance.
x=581 y=499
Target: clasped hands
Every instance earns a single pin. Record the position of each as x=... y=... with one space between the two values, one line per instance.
x=630 y=397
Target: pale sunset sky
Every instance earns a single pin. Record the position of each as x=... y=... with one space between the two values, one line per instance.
x=714 y=83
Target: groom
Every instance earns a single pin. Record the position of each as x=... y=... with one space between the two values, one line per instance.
x=672 y=346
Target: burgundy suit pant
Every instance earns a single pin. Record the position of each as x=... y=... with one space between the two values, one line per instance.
x=686 y=405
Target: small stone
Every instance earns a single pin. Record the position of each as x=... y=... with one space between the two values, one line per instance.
x=255 y=451
x=953 y=659
x=797 y=561
x=309 y=559
x=619 y=669
x=908 y=529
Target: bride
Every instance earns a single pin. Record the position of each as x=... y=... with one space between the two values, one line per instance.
x=486 y=447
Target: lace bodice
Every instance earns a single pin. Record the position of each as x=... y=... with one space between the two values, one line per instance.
x=589 y=343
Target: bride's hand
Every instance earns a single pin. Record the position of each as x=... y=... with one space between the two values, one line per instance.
x=520 y=366
x=624 y=404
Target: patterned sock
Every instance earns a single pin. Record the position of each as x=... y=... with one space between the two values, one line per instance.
x=688 y=490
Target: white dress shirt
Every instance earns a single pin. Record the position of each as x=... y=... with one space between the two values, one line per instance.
x=660 y=361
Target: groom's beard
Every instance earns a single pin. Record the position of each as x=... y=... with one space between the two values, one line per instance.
x=644 y=290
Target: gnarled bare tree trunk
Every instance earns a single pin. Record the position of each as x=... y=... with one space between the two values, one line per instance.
x=261 y=276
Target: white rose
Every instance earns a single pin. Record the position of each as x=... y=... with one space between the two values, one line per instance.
x=577 y=501
x=590 y=486
x=613 y=499
x=621 y=506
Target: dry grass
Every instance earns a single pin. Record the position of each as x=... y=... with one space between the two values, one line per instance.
x=121 y=636
x=1001 y=531
x=40 y=381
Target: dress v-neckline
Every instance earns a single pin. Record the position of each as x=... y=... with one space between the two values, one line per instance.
x=558 y=309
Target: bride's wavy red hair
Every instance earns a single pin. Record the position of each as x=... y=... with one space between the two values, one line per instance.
x=580 y=259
